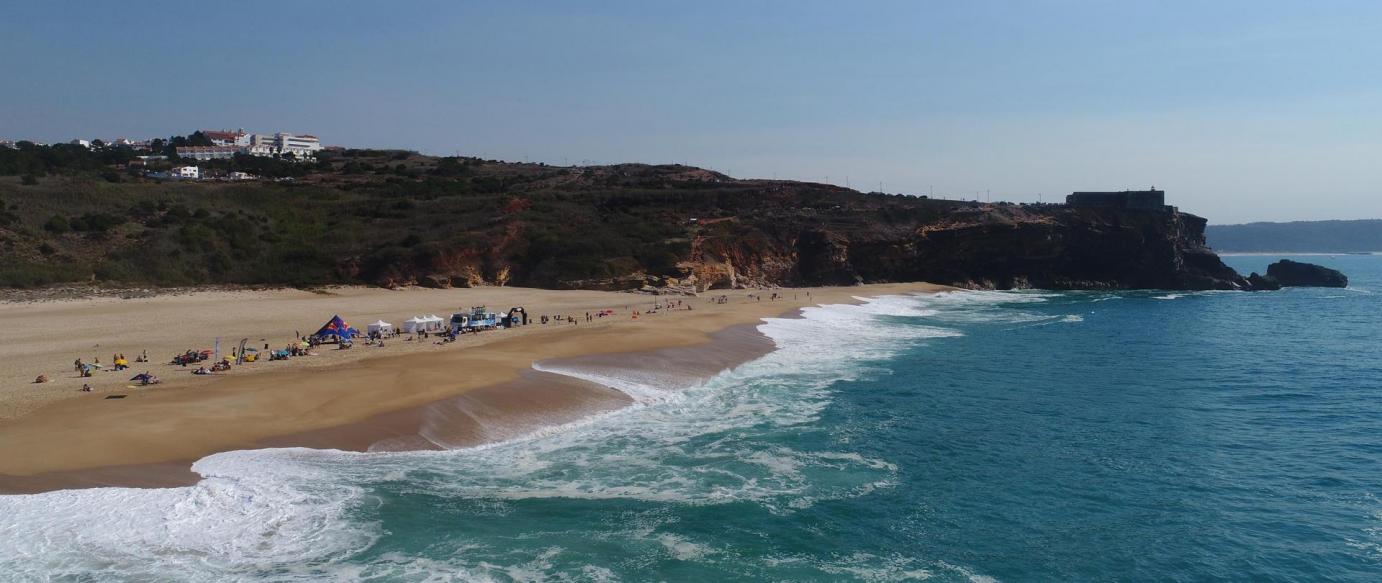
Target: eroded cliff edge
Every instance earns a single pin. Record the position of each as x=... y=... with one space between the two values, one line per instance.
x=981 y=246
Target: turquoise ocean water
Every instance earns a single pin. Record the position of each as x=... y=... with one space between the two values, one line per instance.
x=970 y=436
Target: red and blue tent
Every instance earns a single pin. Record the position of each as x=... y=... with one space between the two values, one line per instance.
x=337 y=327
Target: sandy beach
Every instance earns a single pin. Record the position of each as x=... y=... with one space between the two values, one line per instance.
x=54 y=435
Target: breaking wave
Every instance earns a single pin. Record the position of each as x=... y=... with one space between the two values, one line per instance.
x=295 y=513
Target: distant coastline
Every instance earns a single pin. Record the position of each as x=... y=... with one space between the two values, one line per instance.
x=1297 y=237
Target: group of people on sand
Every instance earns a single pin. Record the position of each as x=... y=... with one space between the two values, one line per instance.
x=85 y=369
x=668 y=306
x=145 y=378
x=560 y=319
x=600 y=314
x=119 y=362
x=221 y=366
x=189 y=357
x=122 y=363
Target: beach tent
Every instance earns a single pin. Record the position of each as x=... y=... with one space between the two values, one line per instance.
x=435 y=323
x=381 y=327
x=414 y=325
x=337 y=329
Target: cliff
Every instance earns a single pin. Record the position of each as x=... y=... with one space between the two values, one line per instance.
x=397 y=218
x=993 y=247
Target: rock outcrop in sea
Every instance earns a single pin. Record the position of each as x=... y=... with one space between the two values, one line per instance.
x=1289 y=273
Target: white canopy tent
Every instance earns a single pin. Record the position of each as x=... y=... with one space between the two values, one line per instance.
x=414 y=325
x=435 y=322
x=381 y=327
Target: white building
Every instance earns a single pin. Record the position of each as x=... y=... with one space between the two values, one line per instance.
x=210 y=152
x=228 y=143
x=263 y=145
x=302 y=146
x=82 y=143
x=187 y=172
x=299 y=145
x=227 y=138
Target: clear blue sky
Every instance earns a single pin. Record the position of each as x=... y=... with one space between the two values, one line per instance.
x=1262 y=110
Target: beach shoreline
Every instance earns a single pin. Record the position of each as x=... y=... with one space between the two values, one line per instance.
x=381 y=400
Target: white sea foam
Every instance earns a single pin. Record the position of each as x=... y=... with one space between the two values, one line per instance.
x=291 y=514
x=977 y=307
x=245 y=515
x=788 y=387
x=643 y=386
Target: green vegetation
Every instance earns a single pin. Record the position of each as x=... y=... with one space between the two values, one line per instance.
x=384 y=216
x=32 y=161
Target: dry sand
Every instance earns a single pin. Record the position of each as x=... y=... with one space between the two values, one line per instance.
x=362 y=398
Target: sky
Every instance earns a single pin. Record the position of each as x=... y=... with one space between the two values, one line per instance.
x=1241 y=111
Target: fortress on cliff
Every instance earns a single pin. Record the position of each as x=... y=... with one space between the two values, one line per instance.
x=1152 y=200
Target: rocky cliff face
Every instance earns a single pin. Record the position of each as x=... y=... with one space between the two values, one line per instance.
x=990 y=247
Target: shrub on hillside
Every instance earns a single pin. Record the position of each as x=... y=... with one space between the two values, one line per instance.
x=57 y=224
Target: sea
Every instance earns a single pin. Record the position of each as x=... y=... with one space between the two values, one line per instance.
x=965 y=436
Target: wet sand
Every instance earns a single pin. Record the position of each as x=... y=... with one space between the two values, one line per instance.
x=424 y=396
